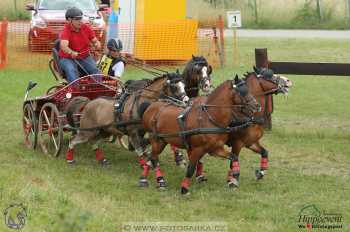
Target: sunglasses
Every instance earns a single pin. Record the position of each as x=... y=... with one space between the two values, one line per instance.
x=77 y=18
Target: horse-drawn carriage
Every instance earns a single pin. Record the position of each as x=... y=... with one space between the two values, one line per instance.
x=44 y=118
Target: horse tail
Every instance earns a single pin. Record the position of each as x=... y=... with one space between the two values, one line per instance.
x=143 y=107
x=75 y=105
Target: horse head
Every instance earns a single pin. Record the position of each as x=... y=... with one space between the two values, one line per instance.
x=197 y=74
x=242 y=96
x=175 y=86
x=272 y=83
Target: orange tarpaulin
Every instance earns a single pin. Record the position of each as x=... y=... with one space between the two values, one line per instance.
x=3 y=40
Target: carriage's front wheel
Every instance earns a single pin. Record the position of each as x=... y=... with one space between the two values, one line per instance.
x=30 y=126
x=50 y=131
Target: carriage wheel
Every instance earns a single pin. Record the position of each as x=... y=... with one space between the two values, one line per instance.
x=50 y=132
x=30 y=126
x=123 y=141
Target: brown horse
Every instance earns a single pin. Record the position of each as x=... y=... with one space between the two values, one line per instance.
x=197 y=77
x=260 y=83
x=103 y=117
x=206 y=125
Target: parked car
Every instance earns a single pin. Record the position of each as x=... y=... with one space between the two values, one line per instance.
x=48 y=19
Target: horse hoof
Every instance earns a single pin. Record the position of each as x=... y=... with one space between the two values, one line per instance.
x=259 y=174
x=161 y=183
x=184 y=191
x=233 y=183
x=201 y=179
x=180 y=160
x=183 y=164
x=143 y=182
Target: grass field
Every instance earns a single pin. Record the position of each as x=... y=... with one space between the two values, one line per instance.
x=309 y=161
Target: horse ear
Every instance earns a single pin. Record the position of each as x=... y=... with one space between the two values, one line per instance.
x=256 y=70
x=236 y=79
x=192 y=56
x=210 y=70
x=177 y=71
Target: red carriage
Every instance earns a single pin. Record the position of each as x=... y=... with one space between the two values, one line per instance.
x=44 y=118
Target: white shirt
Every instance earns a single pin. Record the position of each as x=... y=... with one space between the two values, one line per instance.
x=118 y=69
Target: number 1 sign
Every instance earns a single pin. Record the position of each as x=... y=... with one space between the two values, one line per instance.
x=234 y=19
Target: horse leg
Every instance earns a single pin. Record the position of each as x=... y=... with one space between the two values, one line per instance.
x=99 y=153
x=178 y=156
x=158 y=173
x=194 y=156
x=144 y=164
x=264 y=161
x=77 y=138
x=234 y=172
x=200 y=177
x=157 y=148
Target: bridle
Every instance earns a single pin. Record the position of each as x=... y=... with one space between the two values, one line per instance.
x=245 y=105
x=199 y=79
x=276 y=80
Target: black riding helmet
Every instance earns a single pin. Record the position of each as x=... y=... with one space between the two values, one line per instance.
x=115 y=44
x=74 y=13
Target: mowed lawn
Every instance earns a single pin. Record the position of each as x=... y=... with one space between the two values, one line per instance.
x=309 y=149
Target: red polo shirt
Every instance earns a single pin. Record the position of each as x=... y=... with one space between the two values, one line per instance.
x=79 y=41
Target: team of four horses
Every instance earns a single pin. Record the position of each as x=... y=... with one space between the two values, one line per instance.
x=169 y=110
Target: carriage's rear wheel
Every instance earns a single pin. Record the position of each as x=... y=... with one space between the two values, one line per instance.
x=50 y=131
x=30 y=126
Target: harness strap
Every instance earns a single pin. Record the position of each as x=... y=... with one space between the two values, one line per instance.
x=181 y=119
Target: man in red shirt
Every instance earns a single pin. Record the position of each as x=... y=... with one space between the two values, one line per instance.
x=75 y=46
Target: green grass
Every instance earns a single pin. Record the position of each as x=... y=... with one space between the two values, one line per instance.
x=309 y=153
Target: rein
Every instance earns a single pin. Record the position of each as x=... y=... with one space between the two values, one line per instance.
x=146 y=67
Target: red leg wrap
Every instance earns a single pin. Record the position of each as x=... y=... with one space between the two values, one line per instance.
x=199 y=170
x=158 y=172
x=145 y=170
x=235 y=167
x=185 y=183
x=70 y=154
x=173 y=148
x=142 y=161
x=99 y=154
x=264 y=163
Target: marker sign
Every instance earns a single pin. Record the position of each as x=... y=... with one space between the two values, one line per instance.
x=234 y=19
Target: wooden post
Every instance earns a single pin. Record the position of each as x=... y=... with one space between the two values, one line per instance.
x=217 y=50
x=235 y=47
x=262 y=61
x=221 y=26
x=319 y=10
x=3 y=43
x=348 y=10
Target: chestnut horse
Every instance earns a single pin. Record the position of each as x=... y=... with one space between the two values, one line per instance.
x=260 y=83
x=103 y=117
x=197 y=77
x=203 y=129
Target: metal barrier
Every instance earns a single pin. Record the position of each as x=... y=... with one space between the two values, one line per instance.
x=163 y=44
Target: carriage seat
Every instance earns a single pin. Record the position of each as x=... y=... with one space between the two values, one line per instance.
x=55 y=60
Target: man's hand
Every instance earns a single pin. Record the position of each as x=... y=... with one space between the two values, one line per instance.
x=96 y=44
x=74 y=54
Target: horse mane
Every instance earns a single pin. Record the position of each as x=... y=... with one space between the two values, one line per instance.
x=190 y=64
x=217 y=91
x=247 y=74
